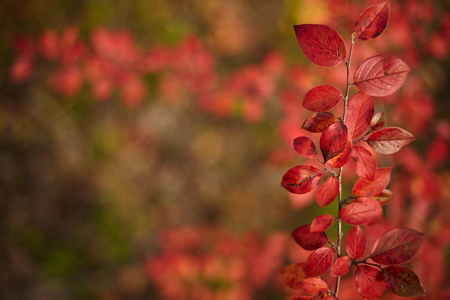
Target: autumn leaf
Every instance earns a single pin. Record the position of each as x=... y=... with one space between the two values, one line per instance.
x=322 y=98
x=359 y=114
x=342 y=158
x=333 y=140
x=301 y=179
x=322 y=223
x=321 y=44
x=319 y=122
x=355 y=242
x=340 y=266
x=389 y=140
x=403 y=282
x=397 y=246
x=365 y=163
x=368 y=188
x=381 y=75
x=305 y=147
x=377 y=121
x=314 y=286
x=319 y=262
x=327 y=192
x=369 y=282
x=309 y=240
x=372 y=21
x=293 y=275
x=384 y=197
x=360 y=212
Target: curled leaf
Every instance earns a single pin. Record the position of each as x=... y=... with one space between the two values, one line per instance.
x=342 y=158
x=372 y=21
x=333 y=140
x=301 y=179
x=309 y=240
x=319 y=122
x=319 y=262
x=377 y=121
x=322 y=98
x=381 y=75
x=389 y=140
x=321 y=44
x=384 y=197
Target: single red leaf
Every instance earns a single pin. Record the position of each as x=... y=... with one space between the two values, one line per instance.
x=321 y=44
x=301 y=179
x=384 y=197
x=342 y=158
x=397 y=246
x=369 y=282
x=355 y=242
x=381 y=75
x=327 y=192
x=319 y=262
x=322 y=223
x=305 y=146
x=359 y=114
x=365 y=163
x=377 y=215
x=372 y=21
x=367 y=188
x=403 y=282
x=309 y=240
x=322 y=98
x=319 y=122
x=389 y=140
x=314 y=286
x=378 y=121
x=340 y=266
x=359 y=212
x=333 y=140
x=293 y=275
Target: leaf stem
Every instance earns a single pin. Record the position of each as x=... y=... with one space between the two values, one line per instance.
x=339 y=222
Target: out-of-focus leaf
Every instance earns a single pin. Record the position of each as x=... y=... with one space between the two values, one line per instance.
x=314 y=286
x=319 y=122
x=327 y=192
x=304 y=146
x=322 y=98
x=369 y=282
x=403 y=282
x=309 y=240
x=372 y=21
x=384 y=197
x=355 y=242
x=301 y=179
x=359 y=114
x=322 y=223
x=389 y=140
x=367 y=188
x=319 y=262
x=293 y=275
x=333 y=140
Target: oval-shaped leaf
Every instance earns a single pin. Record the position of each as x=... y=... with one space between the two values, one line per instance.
x=301 y=179
x=319 y=122
x=321 y=44
x=342 y=158
x=327 y=192
x=333 y=140
x=377 y=121
x=365 y=163
x=381 y=75
x=355 y=242
x=319 y=262
x=322 y=223
x=377 y=215
x=384 y=197
x=340 y=266
x=322 y=98
x=359 y=212
x=372 y=21
x=369 y=282
x=367 y=188
x=389 y=140
x=403 y=282
x=314 y=286
x=359 y=114
x=309 y=240
x=304 y=146
x=293 y=275
x=397 y=246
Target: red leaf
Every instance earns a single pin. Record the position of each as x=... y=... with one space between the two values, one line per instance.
x=378 y=121
x=319 y=262
x=366 y=166
x=389 y=140
x=397 y=246
x=309 y=240
x=359 y=212
x=372 y=21
x=355 y=242
x=319 y=122
x=381 y=75
x=359 y=114
x=330 y=297
x=341 y=266
x=342 y=158
x=403 y=282
x=384 y=197
x=293 y=275
x=367 y=188
x=333 y=140
x=305 y=146
x=322 y=98
x=321 y=44
x=322 y=223
x=377 y=215
x=328 y=191
x=369 y=282
x=314 y=286
x=301 y=179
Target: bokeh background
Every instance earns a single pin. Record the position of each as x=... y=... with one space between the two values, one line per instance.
x=142 y=144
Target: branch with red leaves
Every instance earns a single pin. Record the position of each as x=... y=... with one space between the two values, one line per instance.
x=344 y=138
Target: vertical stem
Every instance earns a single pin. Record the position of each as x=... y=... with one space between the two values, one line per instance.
x=339 y=223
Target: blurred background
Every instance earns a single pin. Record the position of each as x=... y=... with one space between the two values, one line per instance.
x=142 y=144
